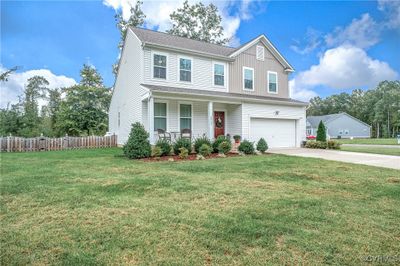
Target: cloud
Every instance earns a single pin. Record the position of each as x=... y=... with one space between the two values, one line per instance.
x=392 y=10
x=363 y=32
x=157 y=13
x=300 y=93
x=14 y=87
x=345 y=67
x=312 y=39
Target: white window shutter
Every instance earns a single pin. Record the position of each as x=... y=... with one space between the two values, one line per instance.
x=260 y=52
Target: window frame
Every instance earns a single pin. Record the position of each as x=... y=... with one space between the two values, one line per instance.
x=243 y=78
x=213 y=74
x=179 y=114
x=166 y=65
x=263 y=53
x=166 y=114
x=191 y=69
x=277 y=87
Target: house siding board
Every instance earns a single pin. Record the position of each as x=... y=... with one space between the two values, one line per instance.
x=261 y=68
x=127 y=90
x=344 y=122
x=251 y=110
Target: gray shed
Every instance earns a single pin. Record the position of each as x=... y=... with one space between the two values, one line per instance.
x=340 y=125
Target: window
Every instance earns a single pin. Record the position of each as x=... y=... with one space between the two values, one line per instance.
x=260 y=52
x=160 y=116
x=185 y=112
x=159 y=66
x=346 y=131
x=219 y=75
x=272 y=82
x=248 y=77
x=185 y=69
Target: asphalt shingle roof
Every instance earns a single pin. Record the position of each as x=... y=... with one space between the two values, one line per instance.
x=165 y=39
x=314 y=120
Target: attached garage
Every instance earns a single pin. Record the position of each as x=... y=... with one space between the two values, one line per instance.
x=279 y=133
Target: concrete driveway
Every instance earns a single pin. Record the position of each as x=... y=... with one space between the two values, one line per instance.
x=379 y=160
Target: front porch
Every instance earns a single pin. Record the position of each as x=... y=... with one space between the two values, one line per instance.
x=202 y=116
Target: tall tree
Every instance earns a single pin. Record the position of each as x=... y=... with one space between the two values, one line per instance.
x=198 y=22
x=90 y=77
x=4 y=76
x=321 y=132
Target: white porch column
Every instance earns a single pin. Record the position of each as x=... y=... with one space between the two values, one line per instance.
x=150 y=111
x=210 y=120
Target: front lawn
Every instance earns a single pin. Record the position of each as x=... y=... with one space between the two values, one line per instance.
x=389 y=141
x=91 y=207
x=376 y=150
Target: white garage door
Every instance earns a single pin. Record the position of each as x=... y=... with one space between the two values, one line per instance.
x=278 y=133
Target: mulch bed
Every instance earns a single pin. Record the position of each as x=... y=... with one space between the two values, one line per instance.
x=191 y=157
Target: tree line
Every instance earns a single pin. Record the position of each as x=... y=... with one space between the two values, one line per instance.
x=378 y=107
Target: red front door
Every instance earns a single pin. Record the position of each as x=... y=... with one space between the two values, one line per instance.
x=219 y=124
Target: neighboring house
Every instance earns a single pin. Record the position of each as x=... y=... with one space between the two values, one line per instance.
x=340 y=125
x=172 y=83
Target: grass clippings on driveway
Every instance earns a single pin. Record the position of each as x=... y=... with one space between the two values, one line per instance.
x=94 y=208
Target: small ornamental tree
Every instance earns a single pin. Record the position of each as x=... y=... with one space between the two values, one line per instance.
x=262 y=145
x=138 y=145
x=321 y=132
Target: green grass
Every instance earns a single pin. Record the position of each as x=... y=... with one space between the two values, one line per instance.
x=376 y=150
x=91 y=207
x=391 y=141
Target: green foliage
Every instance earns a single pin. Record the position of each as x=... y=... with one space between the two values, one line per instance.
x=182 y=142
x=237 y=137
x=165 y=146
x=205 y=150
x=246 y=147
x=183 y=153
x=200 y=141
x=218 y=141
x=262 y=145
x=138 y=145
x=90 y=77
x=4 y=75
x=225 y=147
x=321 y=132
x=333 y=145
x=312 y=144
x=198 y=22
x=156 y=152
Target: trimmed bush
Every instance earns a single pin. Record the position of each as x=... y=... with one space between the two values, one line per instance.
x=164 y=145
x=321 y=132
x=262 y=145
x=182 y=142
x=138 y=145
x=183 y=153
x=218 y=141
x=333 y=145
x=200 y=141
x=312 y=144
x=224 y=147
x=156 y=152
x=246 y=147
x=205 y=150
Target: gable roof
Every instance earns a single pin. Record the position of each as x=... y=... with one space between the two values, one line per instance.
x=314 y=120
x=168 y=41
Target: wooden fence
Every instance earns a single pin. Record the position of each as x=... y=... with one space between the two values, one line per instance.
x=17 y=144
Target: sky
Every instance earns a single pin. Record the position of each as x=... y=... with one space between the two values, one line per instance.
x=333 y=46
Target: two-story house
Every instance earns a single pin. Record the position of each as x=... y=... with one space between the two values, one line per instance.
x=171 y=83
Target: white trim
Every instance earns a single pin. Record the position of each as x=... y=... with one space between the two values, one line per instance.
x=179 y=114
x=167 y=113
x=277 y=88
x=179 y=57
x=263 y=52
x=213 y=73
x=166 y=65
x=243 y=78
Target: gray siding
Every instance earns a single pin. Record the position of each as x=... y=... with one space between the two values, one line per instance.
x=270 y=63
x=355 y=128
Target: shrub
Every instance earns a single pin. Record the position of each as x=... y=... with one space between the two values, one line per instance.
x=321 y=132
x=224 y=147
x=311 y=144
x=205 y=150
x=138 y=145
x=183 y=153
x=156 y=152
x=262 y=145
x=182 y=142
x=164 y=145
x=237 y=137
x=246 y=147
x=333 y=145
x=200 y=141
x=218 y=141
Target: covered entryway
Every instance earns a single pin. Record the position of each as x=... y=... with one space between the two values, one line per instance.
x=279 y=133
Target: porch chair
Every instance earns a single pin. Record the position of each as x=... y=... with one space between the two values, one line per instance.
x=186 y=133
x=162 y=134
